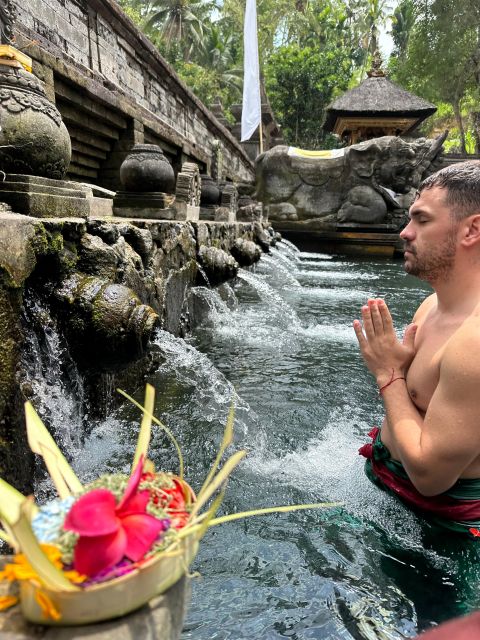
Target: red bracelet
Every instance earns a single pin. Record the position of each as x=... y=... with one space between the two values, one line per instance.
x=392 y=379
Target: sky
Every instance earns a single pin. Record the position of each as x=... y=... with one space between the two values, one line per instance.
x=385 y=40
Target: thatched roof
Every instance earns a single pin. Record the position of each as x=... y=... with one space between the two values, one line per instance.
x=377 y=96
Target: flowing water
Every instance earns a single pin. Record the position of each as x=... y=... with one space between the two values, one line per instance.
x=280 y=342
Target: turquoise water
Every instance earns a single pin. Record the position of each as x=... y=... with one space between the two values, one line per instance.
x=280 y=341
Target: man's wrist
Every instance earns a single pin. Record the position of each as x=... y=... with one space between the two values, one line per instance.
x=386 y=377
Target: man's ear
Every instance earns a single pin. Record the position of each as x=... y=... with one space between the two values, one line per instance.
x=471 y=231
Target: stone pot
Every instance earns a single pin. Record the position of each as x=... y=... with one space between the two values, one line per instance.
x=146 y=169
x=33 y=139
x=210 y=194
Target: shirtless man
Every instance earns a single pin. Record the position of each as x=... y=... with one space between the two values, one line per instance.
x=430 y=382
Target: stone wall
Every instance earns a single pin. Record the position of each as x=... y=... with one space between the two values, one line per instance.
x=106 y=284
x=114 y=90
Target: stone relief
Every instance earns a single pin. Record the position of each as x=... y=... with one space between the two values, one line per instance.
x=189 y=186
x=362 y=183
x=229 y=196
x=217 y=161
x=33 y=138
x=19 y=91
x=8 y=14
x=15 y=164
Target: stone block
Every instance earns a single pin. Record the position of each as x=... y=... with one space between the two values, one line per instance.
x=207 y=213
x=43 y=205
x=186 y=212
x=224 y=214
x=100 y=207
x=146 y=213
x=45 y=197
x=143 y=205
x=160 y=619
x=24 y=183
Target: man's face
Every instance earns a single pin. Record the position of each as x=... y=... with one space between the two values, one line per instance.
x=430 y=237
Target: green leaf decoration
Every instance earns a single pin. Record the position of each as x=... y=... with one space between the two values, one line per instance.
x=218 y=480
x=226 y=442
x=261 y=512
x=146 y=426
x=42 y=443
x=162 y=426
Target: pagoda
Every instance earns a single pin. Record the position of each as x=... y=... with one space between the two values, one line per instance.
x=377 y=107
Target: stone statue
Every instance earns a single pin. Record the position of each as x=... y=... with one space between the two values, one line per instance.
x=7 y=18
x=362 y=183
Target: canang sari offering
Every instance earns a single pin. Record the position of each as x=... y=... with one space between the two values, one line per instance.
x=104 y=549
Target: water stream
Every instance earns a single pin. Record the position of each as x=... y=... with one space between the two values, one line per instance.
x=280 y=342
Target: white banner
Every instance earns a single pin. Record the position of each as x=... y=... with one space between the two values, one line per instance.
x=252 y=105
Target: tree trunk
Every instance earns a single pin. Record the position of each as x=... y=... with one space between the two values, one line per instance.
x=476 y=130
x=458 y=118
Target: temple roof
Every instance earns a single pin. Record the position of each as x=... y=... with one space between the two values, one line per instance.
x=377 y=96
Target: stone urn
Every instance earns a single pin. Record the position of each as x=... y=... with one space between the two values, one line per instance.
x=146 y=169
x=210 y=194
x=33 y=139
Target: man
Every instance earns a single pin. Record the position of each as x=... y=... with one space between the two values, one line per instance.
x=428 y=450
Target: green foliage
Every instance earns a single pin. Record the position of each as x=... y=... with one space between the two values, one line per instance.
x=403 y=20
x=439 y=57
x=313 y=50
x=205 y=83
x=300 y=82
x=181 y=24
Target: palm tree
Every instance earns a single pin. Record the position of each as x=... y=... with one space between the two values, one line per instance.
x=180 y=23
x=218 y=55
x=403 y=19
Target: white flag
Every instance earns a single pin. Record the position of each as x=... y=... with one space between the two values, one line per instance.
x=252 y=105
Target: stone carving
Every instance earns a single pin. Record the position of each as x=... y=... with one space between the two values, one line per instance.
x=210 y=193
x=106 y=319
x=360 y=183
x=217 y=161
x=146 y=169
x=33 y=138
x=229 y=196
x=248 y=209
x=8 y=14
x=246 y=252
x=217 y=264
x=189 y=186
x=24 y=91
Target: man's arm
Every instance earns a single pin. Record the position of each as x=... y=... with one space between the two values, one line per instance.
x=436 y=449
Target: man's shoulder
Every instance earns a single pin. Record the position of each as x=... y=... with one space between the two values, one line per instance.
x=463 y=349
x=425 y=307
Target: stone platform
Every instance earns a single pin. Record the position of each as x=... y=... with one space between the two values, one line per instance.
x=383 y=242
x=43 y=197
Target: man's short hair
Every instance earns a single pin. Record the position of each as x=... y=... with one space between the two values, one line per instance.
x=462 y=184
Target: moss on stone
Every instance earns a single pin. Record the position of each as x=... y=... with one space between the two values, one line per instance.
x=55 y=242
x=9 y=339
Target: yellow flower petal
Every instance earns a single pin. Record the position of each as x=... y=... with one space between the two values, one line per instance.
x=48 y=608
x=74 y=577
x=7 y=601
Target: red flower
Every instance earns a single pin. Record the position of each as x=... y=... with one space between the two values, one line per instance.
x=475 y=532
x=174 y=501
x=109 y=531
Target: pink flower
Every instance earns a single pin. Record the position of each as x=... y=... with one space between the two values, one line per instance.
x=109 y=532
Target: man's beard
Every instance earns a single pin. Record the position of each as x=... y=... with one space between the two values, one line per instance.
x=436 y=265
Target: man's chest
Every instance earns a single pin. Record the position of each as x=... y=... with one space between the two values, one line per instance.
x=424 y=372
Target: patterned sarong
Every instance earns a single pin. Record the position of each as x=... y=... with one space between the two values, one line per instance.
x=458 y=509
